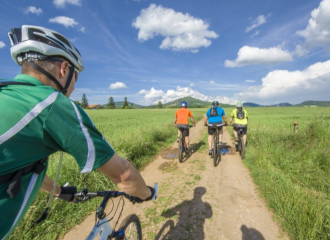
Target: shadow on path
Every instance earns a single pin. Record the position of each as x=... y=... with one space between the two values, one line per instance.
x=251 y=234
x=191 y=215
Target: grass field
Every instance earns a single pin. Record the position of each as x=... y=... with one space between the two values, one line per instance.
x=135 y=134
x=292 y=170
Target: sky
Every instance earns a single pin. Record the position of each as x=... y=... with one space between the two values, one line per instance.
x=261 y=51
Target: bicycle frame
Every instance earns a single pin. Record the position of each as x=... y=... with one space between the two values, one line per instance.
x=102 y=225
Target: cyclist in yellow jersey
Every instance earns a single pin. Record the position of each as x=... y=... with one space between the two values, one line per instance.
x=240 y=117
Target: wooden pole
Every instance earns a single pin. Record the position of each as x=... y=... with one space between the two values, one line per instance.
x=295 y=127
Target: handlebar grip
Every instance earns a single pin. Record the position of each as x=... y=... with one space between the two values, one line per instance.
x=156 y=191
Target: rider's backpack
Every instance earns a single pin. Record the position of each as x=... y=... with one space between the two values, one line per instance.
x=240 y=113
x=214 y=112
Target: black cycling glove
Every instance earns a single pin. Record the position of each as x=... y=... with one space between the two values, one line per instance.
x=139 y=200
x=67 y=193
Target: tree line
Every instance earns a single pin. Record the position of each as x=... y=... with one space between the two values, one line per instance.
x=110 y=105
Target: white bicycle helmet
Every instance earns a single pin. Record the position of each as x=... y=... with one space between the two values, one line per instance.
x=44 y=41
x=38 y=43
x=239 y=104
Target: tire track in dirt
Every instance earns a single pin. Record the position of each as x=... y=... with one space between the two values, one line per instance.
x=197 y=200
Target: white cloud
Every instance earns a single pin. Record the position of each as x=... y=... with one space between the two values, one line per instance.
x=192 y=84
x=117 y=85
x=62 y=3
x=211 y=82
x=256 y=23
x=300 y=51
x=152 y=96
x=317 y=32
x=256 y=33
x=2 y=44
x=250 y=81
x=253 y=55
x=32 y=9
x=82 y=29
x=313 y=83
x=66 y=21
x=180 y=31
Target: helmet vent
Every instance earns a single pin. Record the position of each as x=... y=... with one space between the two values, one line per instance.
x=61 y=38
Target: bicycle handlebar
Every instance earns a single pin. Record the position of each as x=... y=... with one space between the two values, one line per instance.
x=84 y=195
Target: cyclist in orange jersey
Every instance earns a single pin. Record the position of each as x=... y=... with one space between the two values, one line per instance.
x=181 y=121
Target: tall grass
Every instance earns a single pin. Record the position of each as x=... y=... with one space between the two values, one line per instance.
x=292 y=170
x=136 y=135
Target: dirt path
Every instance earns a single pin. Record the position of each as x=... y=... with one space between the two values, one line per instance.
x=197 y=200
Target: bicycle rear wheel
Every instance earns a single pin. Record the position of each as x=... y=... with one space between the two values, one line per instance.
x=132 y=227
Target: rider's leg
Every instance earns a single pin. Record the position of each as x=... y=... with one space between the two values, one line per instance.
x=244 y=139
x=220 y=135
x=210 y=140
x=187 y=141
x=235 y=134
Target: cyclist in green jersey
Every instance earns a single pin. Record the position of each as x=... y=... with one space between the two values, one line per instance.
x=38 y=119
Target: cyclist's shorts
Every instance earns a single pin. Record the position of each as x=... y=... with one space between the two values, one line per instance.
x=184 y=128
x=211 y=130
x=238 y=126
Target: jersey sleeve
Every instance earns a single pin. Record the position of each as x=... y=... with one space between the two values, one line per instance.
x=208 y=113
x=232 y=113
x=69 y=128
x=246 y=114
x=223 y=112
x=190 y=114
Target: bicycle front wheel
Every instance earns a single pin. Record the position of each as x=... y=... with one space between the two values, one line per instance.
x=132 y=227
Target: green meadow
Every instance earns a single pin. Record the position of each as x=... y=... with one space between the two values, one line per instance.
x=292 y=170
x=135 y=134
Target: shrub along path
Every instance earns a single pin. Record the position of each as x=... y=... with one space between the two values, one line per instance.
x=197 y=200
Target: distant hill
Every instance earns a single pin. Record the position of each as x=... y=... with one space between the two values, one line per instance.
x=281 y=105
x=192 y=103
x=315 y=103
x=306 y=103
x=250 y=104
x=121 y=103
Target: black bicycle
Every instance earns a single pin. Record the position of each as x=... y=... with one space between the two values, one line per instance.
x=240 y=147
x=130 y=228
x=216 y=154
x=182 y=146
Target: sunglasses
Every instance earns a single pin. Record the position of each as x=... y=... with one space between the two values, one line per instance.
x=76 y=72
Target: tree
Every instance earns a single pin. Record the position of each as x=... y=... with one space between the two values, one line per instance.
x=125 y=103
x=84 y=101
x=111 y=103
x=160 y=104
x=131 y=105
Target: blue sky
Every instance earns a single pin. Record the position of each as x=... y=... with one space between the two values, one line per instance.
x=261 y=51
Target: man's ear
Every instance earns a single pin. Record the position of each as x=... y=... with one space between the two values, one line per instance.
x=64 y=67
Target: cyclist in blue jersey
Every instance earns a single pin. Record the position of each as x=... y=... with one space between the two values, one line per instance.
x=215 y=115
x=39 y=119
